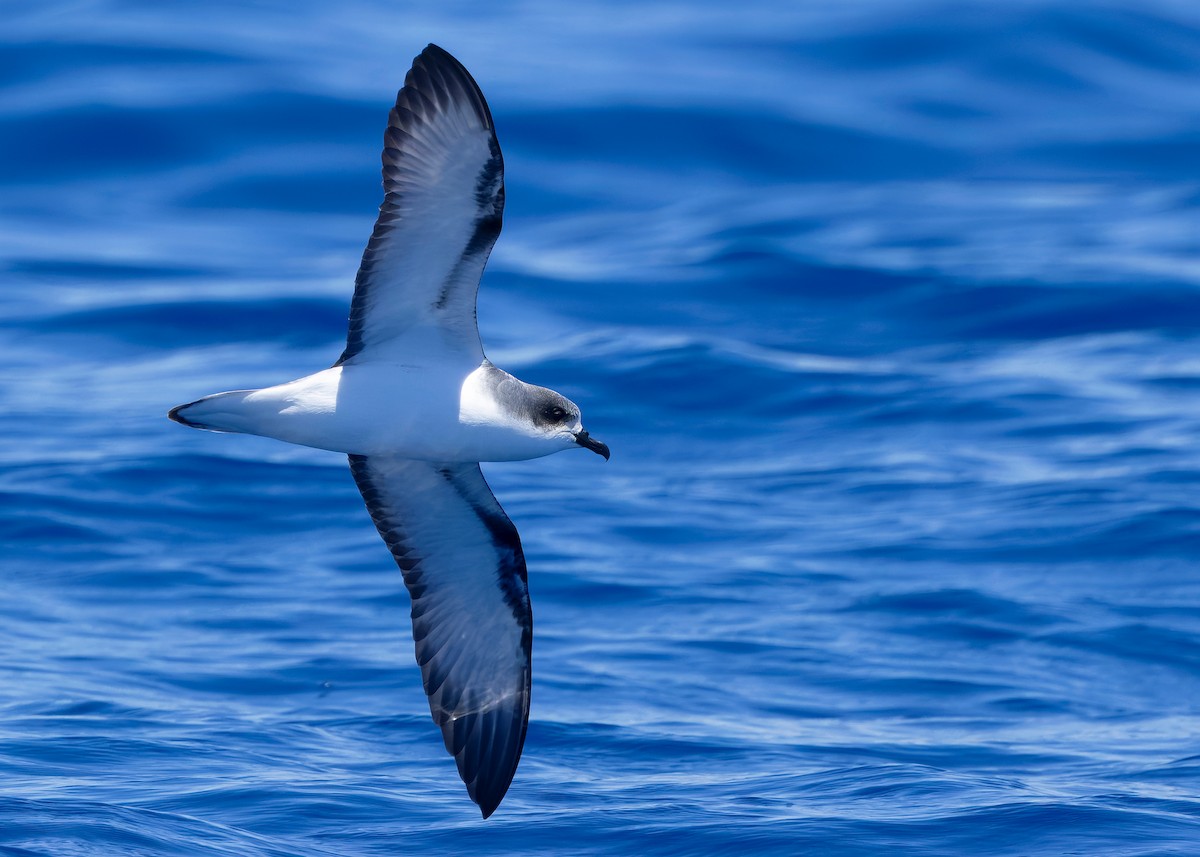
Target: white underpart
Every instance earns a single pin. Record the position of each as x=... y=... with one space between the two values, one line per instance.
x=439 y=412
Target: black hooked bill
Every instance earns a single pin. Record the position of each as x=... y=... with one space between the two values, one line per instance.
x=588 y=442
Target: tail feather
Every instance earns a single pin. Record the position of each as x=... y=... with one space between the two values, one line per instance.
x=218 y=412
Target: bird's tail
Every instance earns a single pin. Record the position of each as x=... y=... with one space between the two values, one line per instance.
x=218 y=412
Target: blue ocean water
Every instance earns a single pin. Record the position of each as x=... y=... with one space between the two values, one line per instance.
x=889 y=313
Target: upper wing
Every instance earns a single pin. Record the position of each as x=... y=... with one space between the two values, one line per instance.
x=443 y=181
x=465 y=570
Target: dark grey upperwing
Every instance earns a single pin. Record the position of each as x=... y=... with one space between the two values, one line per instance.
x=443 y=181
x=465 y=571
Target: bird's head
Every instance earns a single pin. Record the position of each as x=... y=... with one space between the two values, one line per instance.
x=558 y=417
x=537 y=420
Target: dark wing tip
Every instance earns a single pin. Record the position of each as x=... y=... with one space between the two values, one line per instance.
x=486 y=809
x=487 y=749
x=435 y=71
x=488 y=794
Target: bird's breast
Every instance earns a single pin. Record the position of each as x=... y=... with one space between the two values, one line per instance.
x=432 y=413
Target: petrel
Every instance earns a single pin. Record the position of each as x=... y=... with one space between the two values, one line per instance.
x=416 y=405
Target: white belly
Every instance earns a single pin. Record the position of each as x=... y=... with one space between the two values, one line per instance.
x=436 y=414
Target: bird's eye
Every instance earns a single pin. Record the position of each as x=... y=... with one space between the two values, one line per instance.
x=555 y=414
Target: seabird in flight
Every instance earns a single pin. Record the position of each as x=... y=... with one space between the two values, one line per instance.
x=416 y=405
